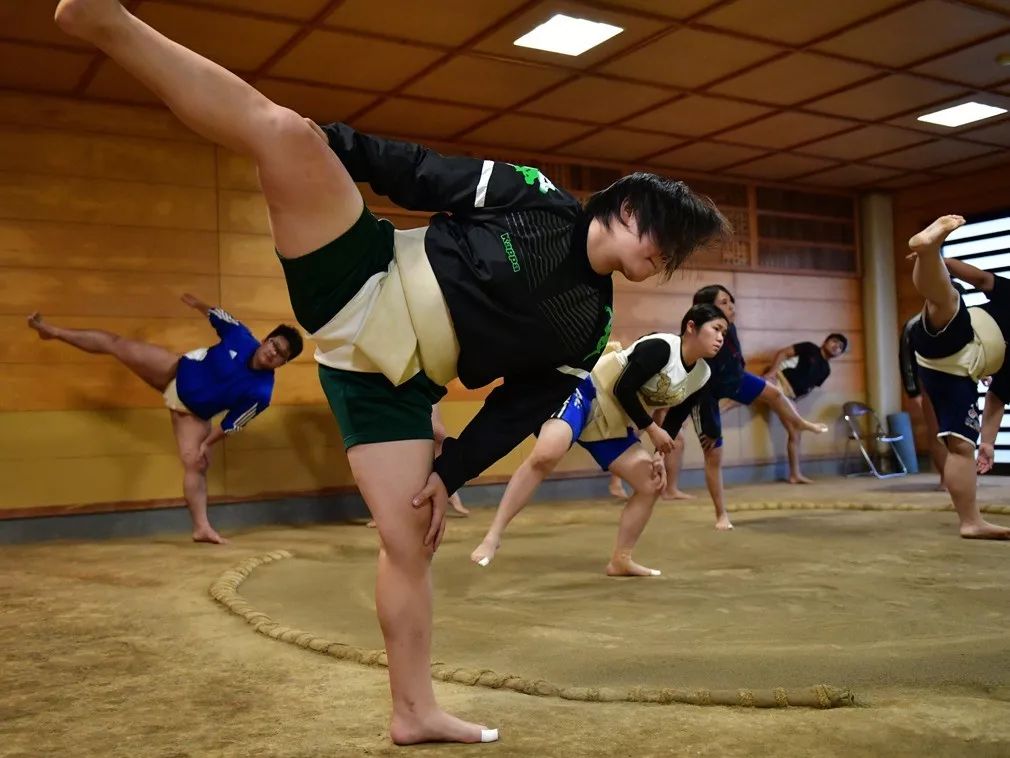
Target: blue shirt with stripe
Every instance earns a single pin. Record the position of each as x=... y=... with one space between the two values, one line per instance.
x=222 y=379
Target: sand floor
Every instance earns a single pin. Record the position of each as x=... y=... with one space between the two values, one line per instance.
x=116 y=648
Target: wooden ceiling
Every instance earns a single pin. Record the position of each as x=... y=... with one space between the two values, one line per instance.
x=809 y=92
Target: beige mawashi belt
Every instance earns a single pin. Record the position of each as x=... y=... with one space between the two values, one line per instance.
x=981 y=357
x=408 y=327
x=608 y=419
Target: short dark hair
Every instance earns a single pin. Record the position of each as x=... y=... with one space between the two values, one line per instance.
x=680 y=220
x=701 y=314
x=709 y=293
x=293 y=337
x=841 y=338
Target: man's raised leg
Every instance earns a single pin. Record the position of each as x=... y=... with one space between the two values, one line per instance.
x=930 y=276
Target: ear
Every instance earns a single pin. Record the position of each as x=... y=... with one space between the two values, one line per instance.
x=691 y=328
x=626 y=213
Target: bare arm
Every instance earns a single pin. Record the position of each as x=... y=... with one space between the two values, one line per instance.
x=781 y=355
x=976 y=277
x=194 y=302
x=992 y=415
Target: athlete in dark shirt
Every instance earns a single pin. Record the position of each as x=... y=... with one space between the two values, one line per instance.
x=487 y=292
x=234 y=377
x=956 y=346
x=797 y=370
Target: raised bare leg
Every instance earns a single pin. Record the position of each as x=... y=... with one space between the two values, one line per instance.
x=190 y=432
x=152 y=363
x=553 y=441
x=787 y=412
x=635 y=467
x=403 y=591
x=310 y=196
x=930 y=276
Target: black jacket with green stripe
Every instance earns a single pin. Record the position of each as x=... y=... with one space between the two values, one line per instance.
x=509 y=251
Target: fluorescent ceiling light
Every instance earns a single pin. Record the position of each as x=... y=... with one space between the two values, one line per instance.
x=963 y=114
x=567 y=35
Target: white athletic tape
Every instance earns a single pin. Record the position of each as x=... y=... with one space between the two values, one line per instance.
x=488 y=735
x=484 y=561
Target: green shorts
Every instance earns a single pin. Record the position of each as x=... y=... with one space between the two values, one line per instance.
x=367 y=406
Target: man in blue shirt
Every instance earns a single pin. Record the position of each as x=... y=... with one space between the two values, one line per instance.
x=235 y=377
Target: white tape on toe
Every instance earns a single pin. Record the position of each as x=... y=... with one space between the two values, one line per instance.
x=483 y=562
x=488 y=735
x=655 y=572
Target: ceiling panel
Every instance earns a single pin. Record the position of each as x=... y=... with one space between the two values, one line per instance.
x=331 y=57
x=617 y=145
x=913 y=33
x=795 y=78
x=705 y=156
x=318 y=102
x=869 y=140
x=38 y=68
x=910 y=119
x=447 y=22
x=112 y=82
x=975 y=66
x=781 y=166
x=680 y=9
x=695 y=115
x=689 y=58
x=636 y=29
x=852 y=175
x=32 y=21
x=998 y=133
x=885 y=97
x=790 y=21
x=296 y=9
x=997 y=158
x=595 y=99
x=482 y=81
x=932 y=154
x=786 y=129
x=903 y=181
x=236 y=42
x=526 y=132
x=419 y=119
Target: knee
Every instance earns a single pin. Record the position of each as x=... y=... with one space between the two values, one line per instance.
x=959 y=447
x=543 y=461
x=286 y=130
x=438 y=432
x=193 y=462
x=408 y=555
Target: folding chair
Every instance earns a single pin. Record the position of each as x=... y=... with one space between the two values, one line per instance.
x=864 y=428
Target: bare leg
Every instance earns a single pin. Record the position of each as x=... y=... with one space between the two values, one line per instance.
x=937 y=450
x=930 y=276
x=403 y=590
x=959 y=474
x=713 y=480
x=152 y=363
x=793 y=451
x=190 y=432
x=310 y=197
x=787 y=412
x=553 y=441
x=635 y=467
x=439 y=433
x=674 y=462
x=616 y=487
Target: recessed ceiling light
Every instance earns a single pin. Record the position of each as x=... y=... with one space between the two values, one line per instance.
x=567 y=35
x=963 y=114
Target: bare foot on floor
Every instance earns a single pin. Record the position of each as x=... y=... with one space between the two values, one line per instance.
x=677 y=494
x=985 y=531
x=723 y=524
x=207 y=534
x=622 y=565
x=438 y=727
x=933 y=235
x=485 y=551
x=800 y=479
x=45 y=331
x=86 y=18
x=457 y=505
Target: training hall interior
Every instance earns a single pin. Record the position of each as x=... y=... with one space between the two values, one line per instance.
x=840 y=616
